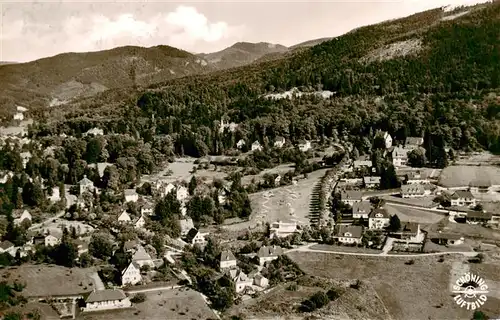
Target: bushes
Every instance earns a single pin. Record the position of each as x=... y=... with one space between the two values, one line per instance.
x=138 y=298
x=320 y=299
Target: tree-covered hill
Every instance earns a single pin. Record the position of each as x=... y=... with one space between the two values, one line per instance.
x=434 y=73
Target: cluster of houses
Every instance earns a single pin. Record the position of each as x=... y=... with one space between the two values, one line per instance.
x=254 y=281
x=279 y=142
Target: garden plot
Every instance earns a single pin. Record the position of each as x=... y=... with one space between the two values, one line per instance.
x=283 y=203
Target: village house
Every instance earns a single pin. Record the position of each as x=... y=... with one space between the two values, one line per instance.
x=182 y=193
x=387 y=139
x=130 y=195
x=413 y=142
x=56 y=195
x=167 y=189
x=227 y=260
x=400 y=156
x=478 y=217
x=132 y=274
x=142 y=257
x=94 y=132
x=417 y=177
x=7 y=247
x=140 y=222
x=361 y=210
x=18 y=116
x=351 y=197
x=106 y=299
x=409 y=232
x=412 y=191
x=371 y=182
x=256 y=146
x=52 y=239
x=186 y=225
x=260 y=281
x=124 y=217
x=447 y=239
x=349 y=234
x=277 y=181
x=147 y=209
x=463 y=198
x=269 y=253
x=281 y=229
x=378 y=219
x=240 y=144
x=86 y=185
x=358 y=164
x=304 y=145
x=24 y=216
x=222 y=196
x=279 y=142
x=241 y=280
x=480 y=186
x=195 y=236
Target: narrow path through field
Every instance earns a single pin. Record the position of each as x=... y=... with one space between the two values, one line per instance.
x=153 y=289
x=98 y=284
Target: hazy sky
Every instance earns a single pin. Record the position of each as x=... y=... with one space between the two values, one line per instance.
x=31 y=30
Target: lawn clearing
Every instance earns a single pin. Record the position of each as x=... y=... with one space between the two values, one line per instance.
x=50 y=280
x=283 y=203
x=415 y=291
x=414 y=215
x=469 y=231
x=178 y=304
x=461 y=176
x=334 y=248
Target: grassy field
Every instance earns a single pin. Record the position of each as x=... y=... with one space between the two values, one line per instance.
x=178 y=304
x=414 y=215
x=281 y=169
x=283 y=203
x=50 y=280
x=327 y=247
x=417 y=291
x=461 y=176
x=469 y=231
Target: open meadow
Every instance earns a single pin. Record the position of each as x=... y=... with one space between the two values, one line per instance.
x=50 y=280
x=178 y=304
x=283 y=203
x=414 y=215
x=461 y=176
x=417 y=290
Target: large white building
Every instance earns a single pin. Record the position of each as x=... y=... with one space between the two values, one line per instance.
x=269 y=253
x=107 y=299
x=351 y=197
x=378 y=219
x=282 y=229
x=349 y=234
x=463 y=198
x=227 y=260
x=412 y=191
x=131 y=274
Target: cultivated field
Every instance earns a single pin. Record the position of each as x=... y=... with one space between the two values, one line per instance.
x=178 y=304
x=50 y=280
x=461 y=176
x=478 y=158
x=417 y=291
x=283 y=203
x=414 y=215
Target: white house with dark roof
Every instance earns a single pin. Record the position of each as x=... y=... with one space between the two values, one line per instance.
x=282 y=229
x=269 y=253
x=387 y=139
x=371 y=182
x=279 y=142
x=256 y=146
x=304 y=145
x=147 y=209
x=124 y=217
x=240 y=144
x=260 y=281
x=86 y=185
x=481 y=186
x=378 y=219
x=463 y=198
x=195 y=236
x=417 y=177
x=131 y=274
x=108 y=299
x=52 y=239
x=412 y=191
x=351 y=197
x=7 y=246
x=130 y=195
x=140 y=222
x=400 y=156
x=349 y=234
x=240 y=279
x=142 y=257
x=227 y=260
x=361 y=209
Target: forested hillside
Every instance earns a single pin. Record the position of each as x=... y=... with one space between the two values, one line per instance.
x=435 y=73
